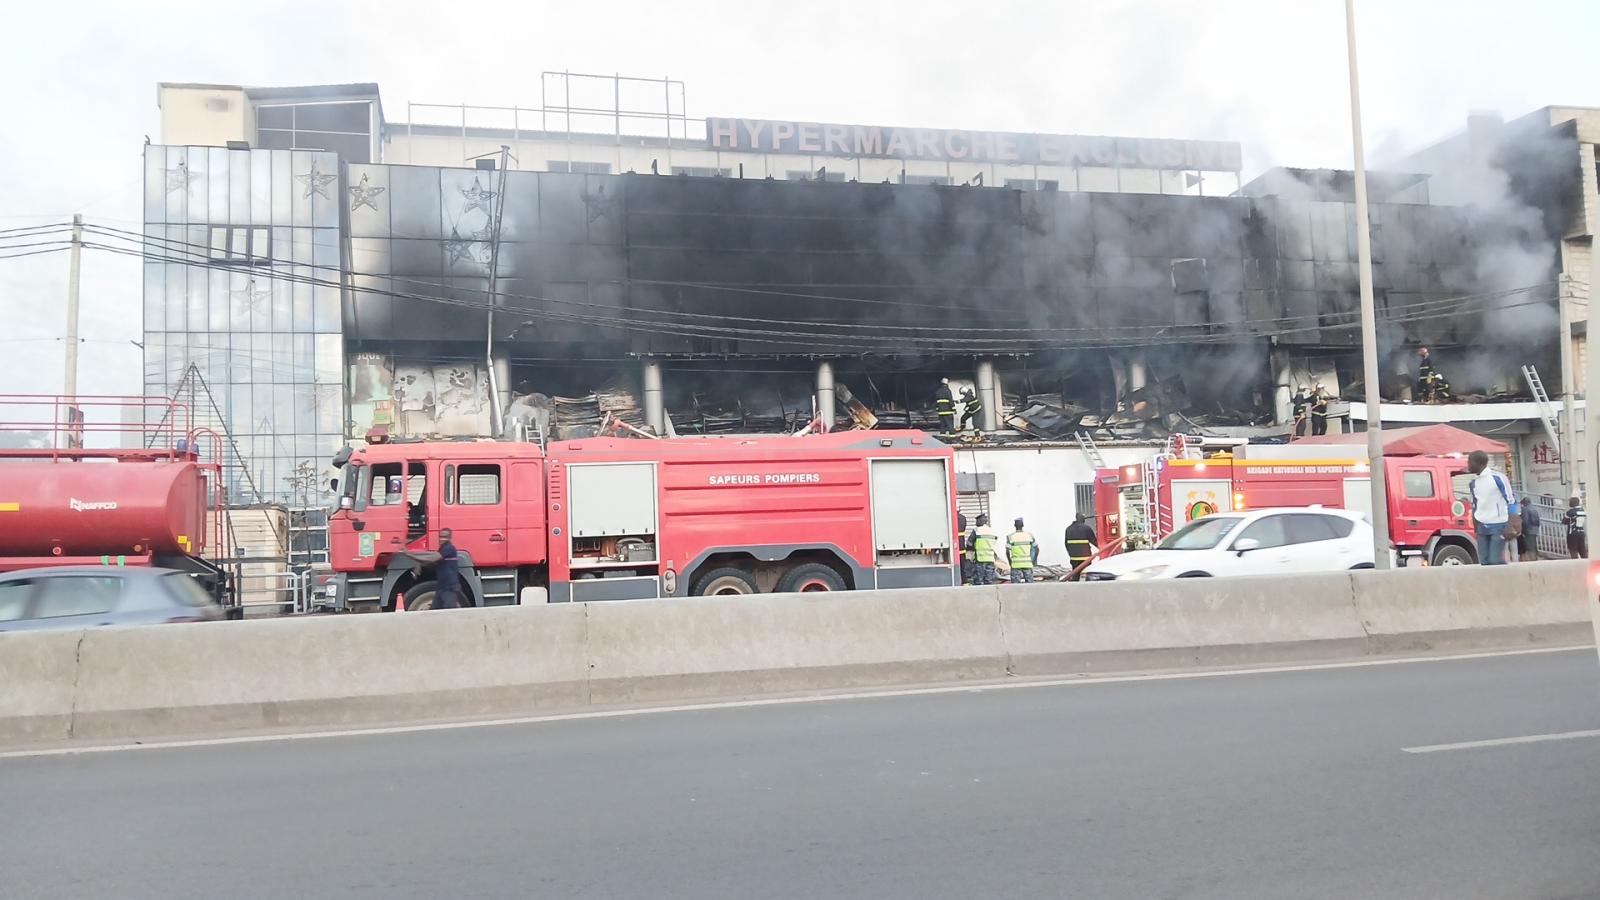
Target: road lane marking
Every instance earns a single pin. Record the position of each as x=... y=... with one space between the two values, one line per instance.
x=1502 y=742
x=1074 y=681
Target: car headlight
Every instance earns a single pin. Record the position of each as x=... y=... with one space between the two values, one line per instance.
x=1146 y=572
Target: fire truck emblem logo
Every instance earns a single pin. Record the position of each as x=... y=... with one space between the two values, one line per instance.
x=1458 y=508
x=90 y=505
x=1200 y=509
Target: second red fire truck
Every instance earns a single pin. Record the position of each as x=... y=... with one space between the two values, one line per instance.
x=1429 y=517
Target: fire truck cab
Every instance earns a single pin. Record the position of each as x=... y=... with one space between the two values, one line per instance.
x=626 y=519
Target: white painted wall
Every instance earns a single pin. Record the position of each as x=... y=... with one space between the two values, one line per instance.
x=1038 y=484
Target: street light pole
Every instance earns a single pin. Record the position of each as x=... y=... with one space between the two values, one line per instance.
x=1369 y=325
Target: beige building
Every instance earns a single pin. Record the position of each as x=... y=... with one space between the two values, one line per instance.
x=662 y=139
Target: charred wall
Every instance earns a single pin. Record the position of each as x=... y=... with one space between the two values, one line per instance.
x=607 y=267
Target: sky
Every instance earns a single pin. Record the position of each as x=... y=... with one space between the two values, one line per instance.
x=78 y=89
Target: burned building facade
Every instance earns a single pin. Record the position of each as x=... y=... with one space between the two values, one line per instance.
x=460 y=293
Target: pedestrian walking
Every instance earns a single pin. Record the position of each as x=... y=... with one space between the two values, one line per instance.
x=1022 y=552
x=1080 y=542
x=1577 y=523
x=1494 y=510
x=1528 y=541
x=447 y=574
x=985 y=543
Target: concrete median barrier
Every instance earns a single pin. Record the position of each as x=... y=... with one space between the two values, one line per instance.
x=737 y=646
x=1195 y=621
x=1455 y=606
x=330 y=672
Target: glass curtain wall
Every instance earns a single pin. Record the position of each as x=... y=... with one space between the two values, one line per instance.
x=241 y=280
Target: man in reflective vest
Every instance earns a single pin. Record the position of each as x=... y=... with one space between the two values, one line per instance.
x=944 y=403
x=1319 y=410
x=984 y=544
x=1022 y=551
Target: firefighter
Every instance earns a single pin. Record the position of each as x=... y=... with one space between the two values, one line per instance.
x=1080 y=542
x=1430 y=384
x=1022 y=552
x=970 y=407
x=984 y=544
x=966 y=548
x=1300 y=402
x=1319 y=409
x=944 y=403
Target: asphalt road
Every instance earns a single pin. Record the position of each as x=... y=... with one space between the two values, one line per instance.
x=1269 y=785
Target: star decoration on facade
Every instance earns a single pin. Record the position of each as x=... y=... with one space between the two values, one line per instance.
x=364 y=194
x=316 y=182
x=478 y=198
x=598 y=203
x=252 y=297
x=457 y=247
x=178 y=177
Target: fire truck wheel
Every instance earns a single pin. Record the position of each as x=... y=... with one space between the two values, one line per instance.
x=1452 y=555
x=724 y=581
x=808 y=577
x=420 y=596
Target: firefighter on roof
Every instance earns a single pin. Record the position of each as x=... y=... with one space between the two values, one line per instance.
x=1301 y=401
x=1431 y=386
x=970 y=407
x=1319 y=409
x=944 y=403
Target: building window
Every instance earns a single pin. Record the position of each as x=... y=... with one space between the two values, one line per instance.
x=344 y=128
x=1083 y=499
x=240 y=245
x=925 y=179
x=701 y=171
x=1031 y=184
x=578 y=167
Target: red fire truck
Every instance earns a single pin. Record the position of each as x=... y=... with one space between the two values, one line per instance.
x=1429 y=518
x=620 y=519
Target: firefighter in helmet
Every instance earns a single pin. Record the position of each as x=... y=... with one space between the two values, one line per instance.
x=944 y=403
x=1431 y=386
x=1301 y=401
x=1319 y=409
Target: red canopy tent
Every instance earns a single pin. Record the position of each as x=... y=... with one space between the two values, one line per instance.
x=1418 y=440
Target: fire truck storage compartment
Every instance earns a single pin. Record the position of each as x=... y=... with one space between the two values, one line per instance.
x=911 y=524
x=612 y=513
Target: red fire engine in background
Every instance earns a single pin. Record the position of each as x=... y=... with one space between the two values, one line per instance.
x=1429 y=515
x=618 y=518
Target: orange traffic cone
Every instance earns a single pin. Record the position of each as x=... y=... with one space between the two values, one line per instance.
x=399 y=602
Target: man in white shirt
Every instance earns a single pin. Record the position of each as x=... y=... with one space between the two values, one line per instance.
x=1494 y=509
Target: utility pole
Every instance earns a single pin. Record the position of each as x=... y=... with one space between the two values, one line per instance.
x=1369 y=324
x=496 y=413
x=73 y=436
x=1569 y=423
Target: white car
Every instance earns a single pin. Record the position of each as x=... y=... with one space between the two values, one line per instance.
x=1258 y=542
